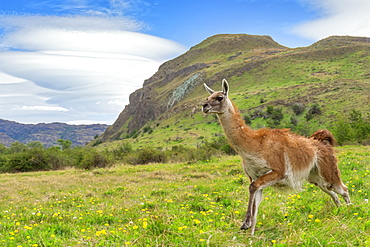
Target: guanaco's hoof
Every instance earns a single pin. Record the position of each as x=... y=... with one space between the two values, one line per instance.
x=245 y=226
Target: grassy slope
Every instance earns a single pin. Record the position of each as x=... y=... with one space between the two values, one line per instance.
x=199 y=204
x=336 y=78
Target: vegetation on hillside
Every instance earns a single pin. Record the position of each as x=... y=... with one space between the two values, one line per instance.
x=302 y=119
x=34 y=156
x=186 y=204
x=304 y=89
x=353 y=130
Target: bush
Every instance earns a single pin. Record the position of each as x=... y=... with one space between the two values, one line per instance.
x=17 y=147
x=122 y=150
x=3 y=163
x=220 y=143
x=53 y=158
x=247 y=119
x=148 y=129
x=27 y=161
x=314 y=110
x=93 y=159
x=293 y=120
x=274 y=115
x=352 y=129
x=343 y=132
x=298 y=108
x=58 y=160
x=145 y=156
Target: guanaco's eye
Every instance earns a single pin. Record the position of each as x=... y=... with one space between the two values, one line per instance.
x=219 y=98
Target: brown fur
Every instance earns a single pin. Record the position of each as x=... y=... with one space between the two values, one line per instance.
x=324 y=136
x=277 y=157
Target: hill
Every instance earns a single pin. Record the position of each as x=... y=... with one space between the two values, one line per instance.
x=48 y=133
x=323 y=81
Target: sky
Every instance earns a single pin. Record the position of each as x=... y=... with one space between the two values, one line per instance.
x=77 y=61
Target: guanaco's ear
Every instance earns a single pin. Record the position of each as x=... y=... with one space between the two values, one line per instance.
x=225 y=87
x=209 y=90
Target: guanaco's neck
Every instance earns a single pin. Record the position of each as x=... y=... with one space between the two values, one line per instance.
x=238 y=133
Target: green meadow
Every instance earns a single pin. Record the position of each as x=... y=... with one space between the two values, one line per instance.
x=181 y=204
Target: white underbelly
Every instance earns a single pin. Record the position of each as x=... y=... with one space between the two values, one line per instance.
x=254 y=166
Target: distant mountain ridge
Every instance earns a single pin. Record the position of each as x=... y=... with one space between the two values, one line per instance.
x=48 y=133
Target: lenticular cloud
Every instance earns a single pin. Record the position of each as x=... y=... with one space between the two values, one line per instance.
x=76 y=66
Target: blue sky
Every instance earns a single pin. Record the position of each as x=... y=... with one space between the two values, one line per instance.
x=193 y=21
x=77 y=61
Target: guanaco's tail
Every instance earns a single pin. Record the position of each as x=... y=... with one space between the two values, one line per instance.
x=324 y=136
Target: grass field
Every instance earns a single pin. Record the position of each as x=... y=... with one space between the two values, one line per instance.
x=187 y=204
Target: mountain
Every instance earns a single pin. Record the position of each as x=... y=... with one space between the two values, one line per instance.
x=332 y=74
x=48 y=133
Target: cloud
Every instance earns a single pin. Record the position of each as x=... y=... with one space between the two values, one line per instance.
x=43 y=108
x=74 y=69
x=8 y=79
x=81 y=33
x=90 y=7
x=72 y=22
x=338 y=17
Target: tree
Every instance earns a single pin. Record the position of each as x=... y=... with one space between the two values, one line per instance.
x=3 y=149
x=355 y=128
x=35 y=145
x=64 y=144
x=17 y=147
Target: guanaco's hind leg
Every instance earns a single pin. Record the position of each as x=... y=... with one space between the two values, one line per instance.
x=342 y=190
x=327 y=176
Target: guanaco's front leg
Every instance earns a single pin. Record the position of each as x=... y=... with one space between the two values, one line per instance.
x=255 y=198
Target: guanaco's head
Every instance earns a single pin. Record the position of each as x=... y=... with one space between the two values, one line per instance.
x=217 y=102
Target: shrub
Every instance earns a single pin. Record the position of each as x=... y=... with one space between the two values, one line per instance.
x=219 y=143
x=247 y=119
x=64 y=144
x=3 y=163
x=352 y=129
x=92 y=159
x=122 y=150
x=17 y=147
x=3 y=149
x=293 y=120
x=314 y=110
x=148 y=129
x=29 y=160
x=58 y=160
x=343 y=132
x=298 y=108
x=256 y=114
x=275 y=115
x=146 y=155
